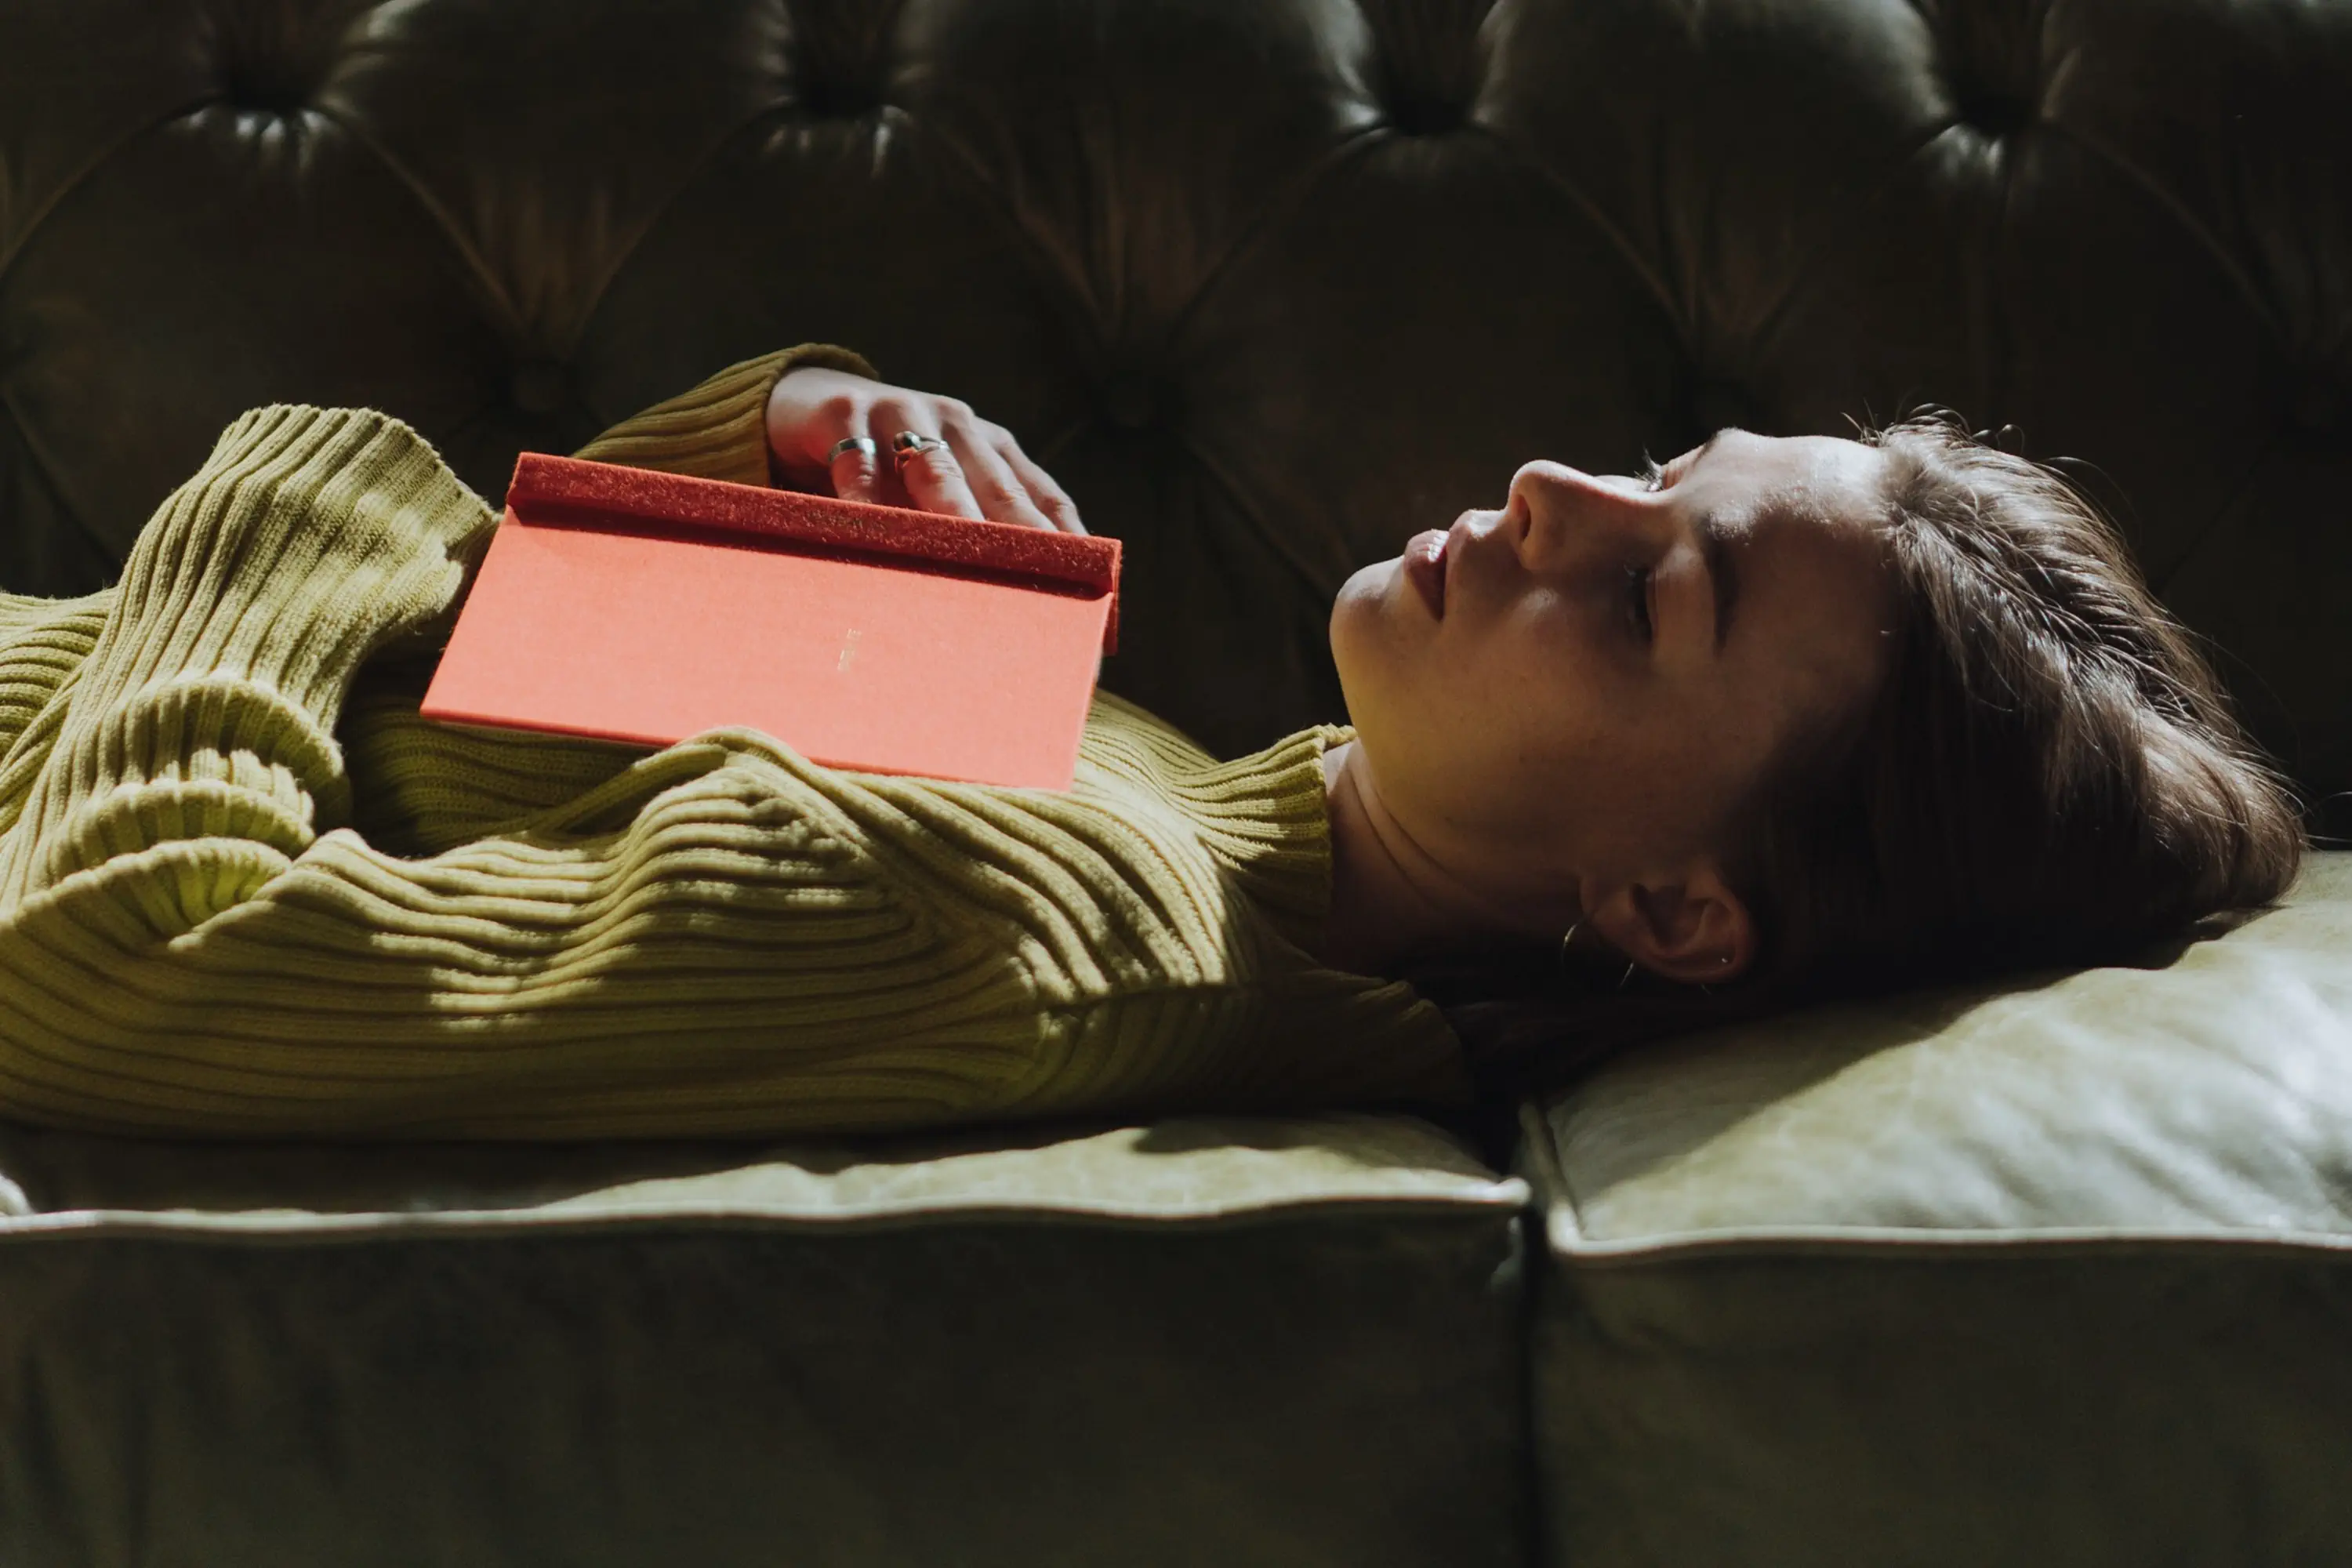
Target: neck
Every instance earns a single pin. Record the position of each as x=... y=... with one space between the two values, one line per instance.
x=1391 y=900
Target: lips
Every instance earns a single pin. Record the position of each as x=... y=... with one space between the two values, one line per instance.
x=1425 y=567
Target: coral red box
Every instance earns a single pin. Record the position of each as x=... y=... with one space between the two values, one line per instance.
x=641 y=606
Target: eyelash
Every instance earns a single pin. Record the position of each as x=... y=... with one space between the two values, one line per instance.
x=1637 y=596
x=1637 y=578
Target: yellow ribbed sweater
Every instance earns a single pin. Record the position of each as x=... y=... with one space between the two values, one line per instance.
x=246 y=891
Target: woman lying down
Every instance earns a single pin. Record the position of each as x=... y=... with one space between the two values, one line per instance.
x=1785 y=718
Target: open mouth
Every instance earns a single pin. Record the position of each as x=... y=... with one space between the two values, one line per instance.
x=1424 y=564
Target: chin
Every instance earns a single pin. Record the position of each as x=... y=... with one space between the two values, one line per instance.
x=1358 y=645
x=1367 y=584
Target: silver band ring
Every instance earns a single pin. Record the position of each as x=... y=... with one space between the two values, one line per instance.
x=861 y=444
x=907 y=445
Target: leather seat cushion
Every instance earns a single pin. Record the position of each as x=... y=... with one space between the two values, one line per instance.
x=1210 y=1340
x=2056 y=1271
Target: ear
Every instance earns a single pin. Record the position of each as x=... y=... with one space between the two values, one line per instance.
x=1692 y=927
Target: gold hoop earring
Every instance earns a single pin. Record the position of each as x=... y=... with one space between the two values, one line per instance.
x=1626 y=976
x=1565 y=940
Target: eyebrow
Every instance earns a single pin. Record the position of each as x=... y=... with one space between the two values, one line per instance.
x=1723 y=575
x=1715 y=550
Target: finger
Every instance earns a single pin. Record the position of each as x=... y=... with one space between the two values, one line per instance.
x=932 y=476
x=1061 y=512
x=1003 y=498
x=808 y=441
x=857 y=471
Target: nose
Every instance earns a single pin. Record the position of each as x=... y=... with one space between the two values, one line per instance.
x=1564 y=512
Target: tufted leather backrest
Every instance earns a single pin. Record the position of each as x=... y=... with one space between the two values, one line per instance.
x=1270 y=285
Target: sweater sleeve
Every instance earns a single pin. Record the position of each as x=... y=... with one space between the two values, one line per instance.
x=192 y=940
x=176 y=777
x=719 y=429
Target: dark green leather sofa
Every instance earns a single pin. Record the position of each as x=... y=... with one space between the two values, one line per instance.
x=2056 y=1273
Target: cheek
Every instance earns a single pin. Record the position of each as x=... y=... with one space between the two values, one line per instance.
x=1526 y=760
x=1553 y=697
x=1695 y=782
x=1535 y=755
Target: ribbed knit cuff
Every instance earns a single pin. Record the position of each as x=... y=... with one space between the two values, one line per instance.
x=206 y=705
x=719 y=429
x=309 y=537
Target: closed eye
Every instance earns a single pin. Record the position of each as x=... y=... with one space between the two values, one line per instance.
x=1637 y=601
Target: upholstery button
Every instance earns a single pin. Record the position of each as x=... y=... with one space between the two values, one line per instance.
x=1425 y=116
x=540 y=386
x=1129 y=401
x=1995 y=113
x=835 y=98
x=271 y=85
x=1994 y=66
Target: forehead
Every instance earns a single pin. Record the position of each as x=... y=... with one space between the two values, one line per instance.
x=1800 y=504
x=1827 y=481
x=1807 y=524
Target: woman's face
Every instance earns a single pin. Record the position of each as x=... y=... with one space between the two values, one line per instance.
x=1615 y=662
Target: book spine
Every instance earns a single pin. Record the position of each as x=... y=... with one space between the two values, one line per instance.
x=568 y=491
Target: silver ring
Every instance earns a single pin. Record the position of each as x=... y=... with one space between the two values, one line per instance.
x=907 y=445
x=853 y=443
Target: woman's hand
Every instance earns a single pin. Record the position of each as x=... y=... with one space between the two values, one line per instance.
x=981 y=473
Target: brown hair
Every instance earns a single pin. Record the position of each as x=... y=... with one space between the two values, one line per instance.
x=2050 y=775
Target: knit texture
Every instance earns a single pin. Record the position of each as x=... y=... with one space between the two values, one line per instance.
x=245 y=890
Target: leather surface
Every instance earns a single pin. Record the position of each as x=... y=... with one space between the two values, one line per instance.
x=1180 y=1169
x=2053 y=1272
x=1231 y=1341
x=1270 y=286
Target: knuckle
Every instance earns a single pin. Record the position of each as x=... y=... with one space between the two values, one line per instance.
x=933 y=467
